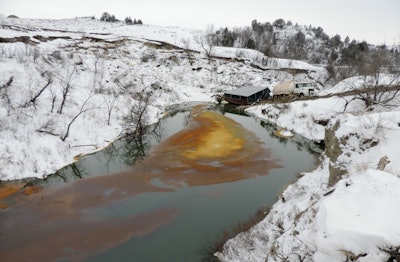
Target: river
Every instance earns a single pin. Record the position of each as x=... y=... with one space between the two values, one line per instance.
x=165 y=197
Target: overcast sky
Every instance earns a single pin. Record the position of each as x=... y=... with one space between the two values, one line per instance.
x=376 y=21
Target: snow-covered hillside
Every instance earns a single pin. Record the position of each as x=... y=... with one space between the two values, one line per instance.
x=284 y=39
x=100 y=68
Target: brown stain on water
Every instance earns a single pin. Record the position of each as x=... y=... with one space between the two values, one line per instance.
x=76 y=239
x=10 y=189
x=57 y=222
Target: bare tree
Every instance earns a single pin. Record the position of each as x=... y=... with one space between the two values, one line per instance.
x=4 y=93
x=245 y=37
x=384 y=94
x=207 y=41
x=32 y=101
x=98 y=85
x=66 y=87
x=135 y=121
x=188 y=52
x=98 y=73
x=53 y=98
x=82 y=110
x=48 y=127
x=381 y=85
x=110 y=102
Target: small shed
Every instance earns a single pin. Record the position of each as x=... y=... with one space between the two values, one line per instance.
x=246 y=95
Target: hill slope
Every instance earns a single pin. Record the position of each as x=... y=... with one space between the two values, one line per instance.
x=67 y=85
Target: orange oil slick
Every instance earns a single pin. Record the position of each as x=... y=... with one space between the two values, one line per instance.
x=10 y=189
x=31 y=190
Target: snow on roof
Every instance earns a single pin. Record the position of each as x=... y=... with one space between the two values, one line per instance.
x=246 y=90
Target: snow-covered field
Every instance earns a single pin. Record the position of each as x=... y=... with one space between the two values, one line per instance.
x=102 y=68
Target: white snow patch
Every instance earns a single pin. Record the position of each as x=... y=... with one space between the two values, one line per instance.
x=360 y=216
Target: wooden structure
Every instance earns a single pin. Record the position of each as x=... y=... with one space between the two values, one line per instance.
x=246 y=95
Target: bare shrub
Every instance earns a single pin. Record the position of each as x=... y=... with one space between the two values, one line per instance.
x=188 y=52
x=36 y=54
x=148 y=56
x=48 y=127
x=56 y=55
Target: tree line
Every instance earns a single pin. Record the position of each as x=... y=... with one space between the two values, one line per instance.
x=284 y=39
x=107 y=17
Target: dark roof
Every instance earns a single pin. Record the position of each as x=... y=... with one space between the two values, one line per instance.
x=246 y=90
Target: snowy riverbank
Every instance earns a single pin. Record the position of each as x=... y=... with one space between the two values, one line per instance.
x=354 y=219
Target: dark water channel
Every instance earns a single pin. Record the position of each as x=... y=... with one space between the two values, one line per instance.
x=175 y=223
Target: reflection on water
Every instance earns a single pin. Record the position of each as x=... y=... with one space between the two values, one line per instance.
x=302 y=143
x=174 y=194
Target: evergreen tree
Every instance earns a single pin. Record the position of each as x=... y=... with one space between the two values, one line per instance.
x=105 y=17
x=279 y=23
x=335 y=41
x=347 y=40
x=128 y=20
